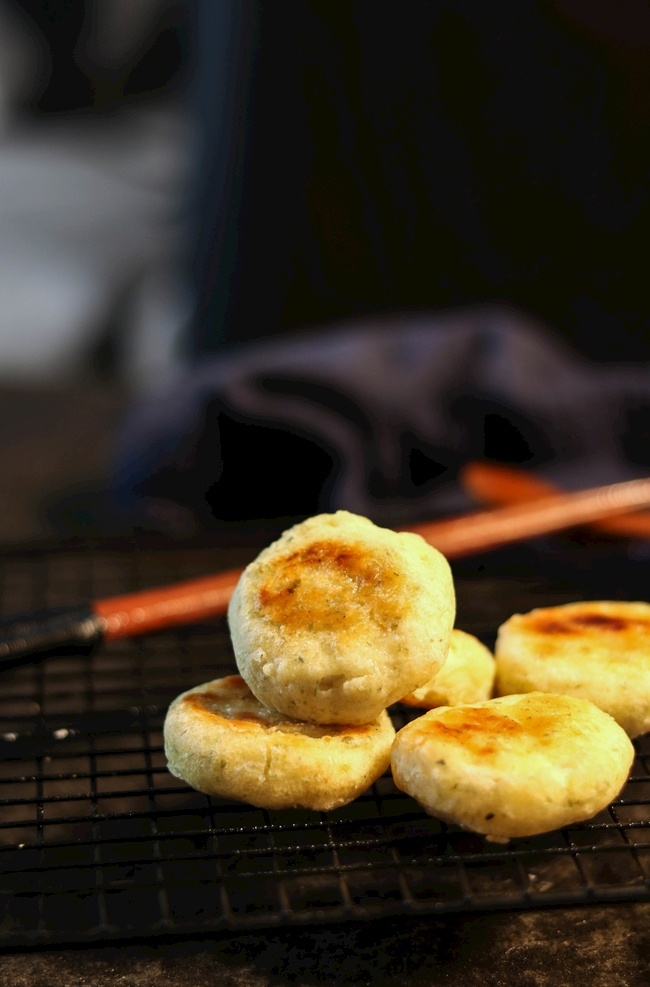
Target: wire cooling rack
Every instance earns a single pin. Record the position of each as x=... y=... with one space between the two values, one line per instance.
x=98 y=842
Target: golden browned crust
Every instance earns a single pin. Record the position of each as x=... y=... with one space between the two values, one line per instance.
x=359 y=581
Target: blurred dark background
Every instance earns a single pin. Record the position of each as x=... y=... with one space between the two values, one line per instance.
x=449 y=153
x=180 y=179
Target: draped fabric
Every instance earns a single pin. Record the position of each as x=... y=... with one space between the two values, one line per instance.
x=378 y=416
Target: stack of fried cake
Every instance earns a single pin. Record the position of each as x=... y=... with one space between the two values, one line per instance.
x=339 y=619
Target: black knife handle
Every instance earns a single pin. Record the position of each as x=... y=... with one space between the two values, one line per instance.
x=56 y=630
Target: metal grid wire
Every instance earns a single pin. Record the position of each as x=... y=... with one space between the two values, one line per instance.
x=99 y=842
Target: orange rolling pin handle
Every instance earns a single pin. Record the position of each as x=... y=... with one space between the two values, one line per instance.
x=24 y=637
x=492 y=483
x=479 y=531
x=486 y=530
x=168 y=606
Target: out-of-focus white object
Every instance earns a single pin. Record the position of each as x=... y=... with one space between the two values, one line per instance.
x=92 y=213
x=92 y=216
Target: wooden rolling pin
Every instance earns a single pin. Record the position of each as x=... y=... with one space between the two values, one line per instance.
x=496 y=484
x=84 y=625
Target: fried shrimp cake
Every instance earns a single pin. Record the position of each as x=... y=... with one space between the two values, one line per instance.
x=597 y=650
x=222 y=741
x=339 y=618
x=515 y=766
x=467 y=675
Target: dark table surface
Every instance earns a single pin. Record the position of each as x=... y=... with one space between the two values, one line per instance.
x=56 y=453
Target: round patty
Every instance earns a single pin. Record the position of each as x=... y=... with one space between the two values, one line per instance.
x=222 y=741
x=597 y=650
x=515 y=766
x=339 y=618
